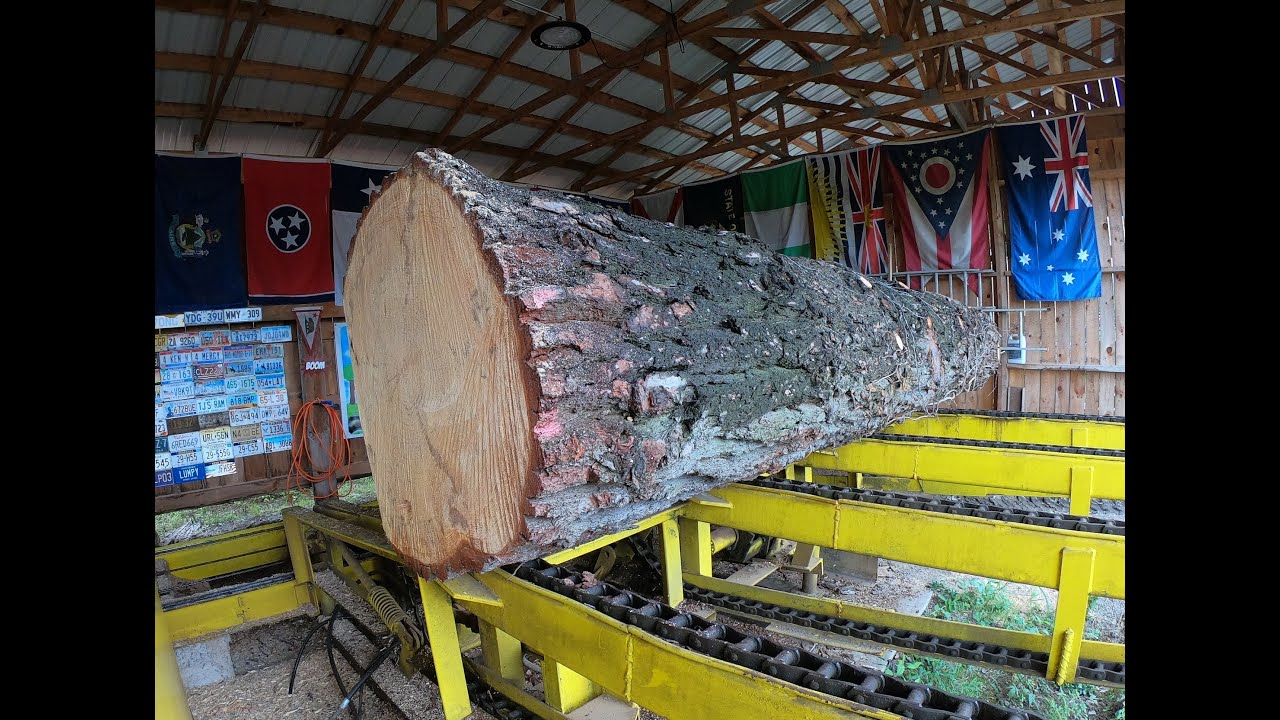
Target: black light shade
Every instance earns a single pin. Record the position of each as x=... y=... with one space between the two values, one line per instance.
x=561 y=35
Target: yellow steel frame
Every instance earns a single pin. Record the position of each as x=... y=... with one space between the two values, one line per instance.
x=1039 y=431
x=1000 y=470
x=230 y=552
x=171 y=696
x=212 y=616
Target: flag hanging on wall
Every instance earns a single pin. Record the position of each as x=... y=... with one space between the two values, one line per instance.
x=286 y=231
x=353 y=188
x=198 y=263
x=1052 y=236
x=940 y=198
x=666 y=206
x=848 y=209
x=775 y=202
x=715 y=204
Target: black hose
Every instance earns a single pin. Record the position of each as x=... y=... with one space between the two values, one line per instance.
x=381 y=657
x=298 y=660
x=333 y=664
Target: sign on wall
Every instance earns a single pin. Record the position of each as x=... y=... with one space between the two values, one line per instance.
x=351 y=425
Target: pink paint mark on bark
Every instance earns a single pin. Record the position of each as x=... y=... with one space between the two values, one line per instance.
x=538 y=298
x=563 y=478
x=680 y=309
x=622 y=366
x=621 y=390
x=549 y=425
x=602 y=288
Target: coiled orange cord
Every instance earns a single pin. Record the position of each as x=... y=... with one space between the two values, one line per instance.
x=338 y=451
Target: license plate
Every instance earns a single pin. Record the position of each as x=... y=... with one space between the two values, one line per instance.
x=242 y=400
x=183 y=459
x=215 y=435
x=157 y=387
x=209 y=355
x=273 y=397
x=213 y=420
x=268 y=366
x=218 y=469
x=211 y=387
x=215 y=371
x=278 y=443
x=245 y=384
x=181 y=409
x=184 y=442
x=162 y=428
x=179 y=374
x=244 y=336
x=271 y=382
x=273 y=413
x=177 y=391
x=162 y=343
x=275 y=334
x=176 y=357
x=245 y=433
x=249 y=314
x=238 y=353
x=164 y=322
x=240 y=369
x=189 y=473
x=212 y=404
x=217 y=452
x=182 y=341
x=244 y=416
x=214 y=338
x=164 y=477
x=163 y=461
x=278 y=427
x=263 y=352
x=252 y=447
x=162 y=445
x=205 y=317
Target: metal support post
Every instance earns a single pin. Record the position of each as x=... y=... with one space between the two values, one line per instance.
x=1081 y=490
x=503 y=653
x=672 y=580
x=442 y=633
x=695 y=546
x=303 y=574
x=171 y=696
x=566 y=690
x=1073 y=604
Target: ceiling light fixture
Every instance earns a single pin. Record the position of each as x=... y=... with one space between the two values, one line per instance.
x=561 y=35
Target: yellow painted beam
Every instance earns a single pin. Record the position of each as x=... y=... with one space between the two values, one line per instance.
x=467 y=587
x=1008 y=470
x=566 y=690
x=573 y=552
x=1078 y=568
x=1040 y=431
x=171 y=695
x=1092 y=649
x=502 y=653
x=230 y=552
x=990 y=548
x=446 y=653
x=203 y=618
x=672 y=584
x=695 y=542
x=514 y=691
x=669 y=680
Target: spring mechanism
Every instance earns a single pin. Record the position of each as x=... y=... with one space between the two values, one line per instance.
x=386 y=606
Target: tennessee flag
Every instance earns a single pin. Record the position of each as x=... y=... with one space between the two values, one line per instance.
x=288 y=248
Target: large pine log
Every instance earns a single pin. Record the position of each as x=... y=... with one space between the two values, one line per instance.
x=535 y=371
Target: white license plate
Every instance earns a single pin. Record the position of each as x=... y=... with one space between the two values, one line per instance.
x=245 y=433
x=211 y=387
x=216 y=452
x=275 y=334
x=162 y=428
x=244 y=416
x=273 y=397
x=273 y=413
x=183 y=459
x=271 y=382
x=240 y=369
x=237 y=385
x=205 y=317
x=182 y=341
x=264 y=352
x=218 y=469
x=278 y=443
x=184 y=442
x=163 y=461
x=249 y=314
x=182 y=408
x=176 y=357
x=251 y=447
x=238 y=353
x=209 y=355
x=268 y=366
x=214 y=338
x=215 y=435
x=164 y=322
x=244 y=336
x=278 y=427
x=179 y=374
x=177 y=391
x=212 y=404
x=242 y=400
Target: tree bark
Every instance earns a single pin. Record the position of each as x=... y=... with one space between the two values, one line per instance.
x=536 y=371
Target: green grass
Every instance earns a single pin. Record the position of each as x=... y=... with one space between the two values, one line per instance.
x=239 y=514
x=983 y=602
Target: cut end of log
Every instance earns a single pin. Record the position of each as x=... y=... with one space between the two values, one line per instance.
x=534 y=371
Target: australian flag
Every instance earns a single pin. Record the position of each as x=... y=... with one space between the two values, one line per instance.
x=1053 y=237
x=198 y=260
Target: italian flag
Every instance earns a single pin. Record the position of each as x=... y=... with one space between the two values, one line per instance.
x=776 y=204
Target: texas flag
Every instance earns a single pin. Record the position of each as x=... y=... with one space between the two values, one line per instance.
x=286 y=230
x=354 y=185
x=940 y=197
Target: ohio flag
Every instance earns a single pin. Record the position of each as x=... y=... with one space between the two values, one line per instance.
x=1053 y=239
x=940 y=197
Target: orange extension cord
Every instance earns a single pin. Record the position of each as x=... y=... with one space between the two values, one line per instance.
x=338 y=451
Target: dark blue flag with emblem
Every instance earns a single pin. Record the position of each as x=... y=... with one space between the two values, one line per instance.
x=1052 y=236
x=352 y=188
x=198 y=260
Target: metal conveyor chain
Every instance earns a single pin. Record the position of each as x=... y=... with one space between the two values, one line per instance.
x=990 y=654
x=1017 y=415
x=997 y=445
x=967 y=508
x=716 y=640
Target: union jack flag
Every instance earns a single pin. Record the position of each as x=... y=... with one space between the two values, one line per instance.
x=848 y=203
x=1066 y=163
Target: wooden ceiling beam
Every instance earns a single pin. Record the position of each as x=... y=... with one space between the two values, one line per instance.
x=223 y=38
x=797 y=36
x=444 y=39
x=358 y=72
x=947 y=96
x=1046 y=39
x=224 y=83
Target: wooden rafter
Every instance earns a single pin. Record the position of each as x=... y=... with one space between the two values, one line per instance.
x=494 y=71
x=512 y=171
x=224 y=83
x=444 y=38
x=358 y=71
x=223 y=38
x=844 y=118
x=1046 y=39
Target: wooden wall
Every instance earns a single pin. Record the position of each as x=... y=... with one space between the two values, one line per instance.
x=266 y=473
